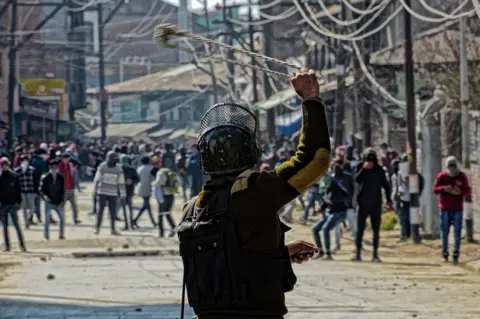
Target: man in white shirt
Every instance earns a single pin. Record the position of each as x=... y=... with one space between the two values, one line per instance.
x=166 y=185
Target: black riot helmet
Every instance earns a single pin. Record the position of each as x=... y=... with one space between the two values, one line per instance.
x=227 y=142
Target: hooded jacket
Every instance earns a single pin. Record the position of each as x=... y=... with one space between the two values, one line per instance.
x=371 y=182
x=130 y=174
x=446 y=201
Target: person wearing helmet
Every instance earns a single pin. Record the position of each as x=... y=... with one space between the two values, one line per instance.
x=232 y=242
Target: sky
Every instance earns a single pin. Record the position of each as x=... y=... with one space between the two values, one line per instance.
x=198 y=4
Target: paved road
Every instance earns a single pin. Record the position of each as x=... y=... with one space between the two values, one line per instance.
x=150 y=288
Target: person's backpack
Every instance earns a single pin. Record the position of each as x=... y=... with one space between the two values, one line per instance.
x=171 y=184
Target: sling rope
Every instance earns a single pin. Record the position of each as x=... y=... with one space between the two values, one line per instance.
x=164 y=32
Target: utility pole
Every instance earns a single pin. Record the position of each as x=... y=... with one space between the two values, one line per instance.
x=412 y=138
x=12 y=70
x=268 y=50
x=212 y=68
x=183 y=56
x=101 y=74
x=465 y=101
x=339 y=114
x=254 y=62
x=101 y=64
x=227 y=13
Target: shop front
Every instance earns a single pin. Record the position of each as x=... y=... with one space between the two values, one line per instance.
x=37 y=119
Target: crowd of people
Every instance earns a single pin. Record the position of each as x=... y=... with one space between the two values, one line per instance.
x=346 y=196
x=50 y=173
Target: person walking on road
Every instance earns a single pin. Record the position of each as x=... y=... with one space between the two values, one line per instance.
x=40 y=165
x=131 y=179
x=10 y=202
x=232 y=242
x=29 y=188
x=52 y=191
x=108 y=184
x=371 y=178
x=452 y=187
x=339 y=191
x=145 y=189
x=68 y=172
x=166 y=182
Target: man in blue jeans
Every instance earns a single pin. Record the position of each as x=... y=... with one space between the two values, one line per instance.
x=451 y=186
x=52 y=192
x=339 y=191
x=10 y=202
x=313 y=197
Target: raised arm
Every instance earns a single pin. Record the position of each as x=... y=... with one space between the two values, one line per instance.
x=309 y=163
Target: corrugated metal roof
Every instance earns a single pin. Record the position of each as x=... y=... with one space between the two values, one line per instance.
x=162 y=132
x=122 y=130
x=285 y=95
x=182 y=78
x=434 y=46
x=178 y=133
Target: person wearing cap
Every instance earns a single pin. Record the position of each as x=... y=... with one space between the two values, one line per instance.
x=29 y=188
x=10 y=202
x=52 y=191
x=68 y=172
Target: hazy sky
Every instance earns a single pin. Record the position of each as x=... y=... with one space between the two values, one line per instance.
x=197 y=4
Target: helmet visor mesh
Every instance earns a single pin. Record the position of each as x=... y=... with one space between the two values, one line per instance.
x=228 y=113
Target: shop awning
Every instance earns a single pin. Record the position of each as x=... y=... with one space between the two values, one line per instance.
x=122 y=130
x=288 y=94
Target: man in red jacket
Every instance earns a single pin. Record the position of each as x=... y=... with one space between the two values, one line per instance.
x=452 y=187
x=67 y=170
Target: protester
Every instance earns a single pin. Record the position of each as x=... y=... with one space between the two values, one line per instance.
x=145 y=189
x=108 y=185
x=10 y=202
x=66 y=169
x=166 y=183
x=451 y=186
x=339 y=192
x=131 y=180
x=371 y=179
x=52 y=190
x=41 y=167
x=29 y=188
x=92 y=168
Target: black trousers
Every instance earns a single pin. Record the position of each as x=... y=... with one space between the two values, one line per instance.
x=127 y=204
x=375 y=215
x=103 y=201
x=165 y=210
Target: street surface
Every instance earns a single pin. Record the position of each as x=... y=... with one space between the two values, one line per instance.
x=415 y=286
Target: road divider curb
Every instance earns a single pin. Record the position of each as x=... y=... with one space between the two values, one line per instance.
x=131 y=253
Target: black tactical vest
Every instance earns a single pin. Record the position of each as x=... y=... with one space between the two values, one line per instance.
x=218 y=271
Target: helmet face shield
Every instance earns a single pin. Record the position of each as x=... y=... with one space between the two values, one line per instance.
x=227 y=142
x=222 y=114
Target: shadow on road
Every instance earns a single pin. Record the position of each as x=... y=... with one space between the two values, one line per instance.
x=19 y=306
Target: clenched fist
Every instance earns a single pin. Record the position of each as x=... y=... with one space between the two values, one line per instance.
x=306 y=84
